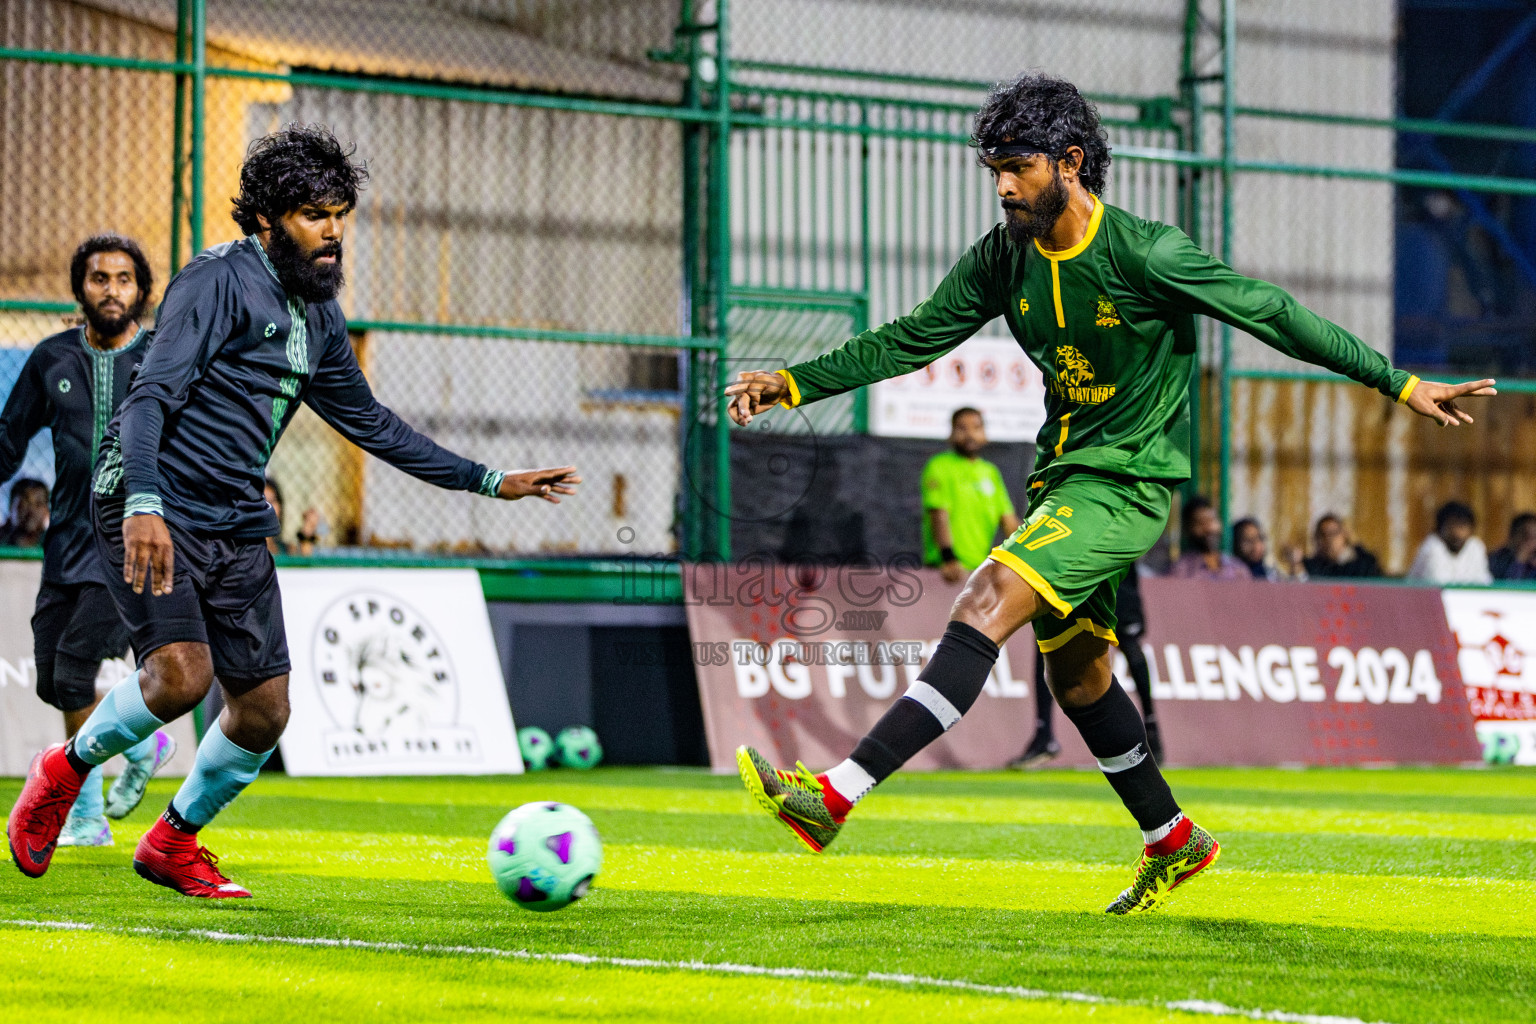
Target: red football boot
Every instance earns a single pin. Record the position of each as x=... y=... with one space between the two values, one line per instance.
x=175 y=860
x=38 y=817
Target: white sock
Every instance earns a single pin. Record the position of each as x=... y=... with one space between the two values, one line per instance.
x=1164 y=832
x=850 y=781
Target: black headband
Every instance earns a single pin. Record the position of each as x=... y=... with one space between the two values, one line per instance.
x=1006 y=149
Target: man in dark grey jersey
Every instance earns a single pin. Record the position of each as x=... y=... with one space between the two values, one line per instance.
x=247 y=331
x=72 y=383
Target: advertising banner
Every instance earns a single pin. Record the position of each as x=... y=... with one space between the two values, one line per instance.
x=1252 y=672
x=1496 y=634
x=27 y=725
x=989 y=374
x=801 y=661
x=394 y=673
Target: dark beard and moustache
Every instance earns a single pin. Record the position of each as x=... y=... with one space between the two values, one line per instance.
x=110 y=325
x=297 y=270
x=1034 y=221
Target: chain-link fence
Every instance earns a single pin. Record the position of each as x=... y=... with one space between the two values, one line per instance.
x=574 y=205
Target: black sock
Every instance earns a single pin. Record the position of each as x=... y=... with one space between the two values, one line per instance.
x=1141 y=675
x=177 y=822
x=1045 y=706
x=78 y=763
x=1115 y=736
x=948 y=685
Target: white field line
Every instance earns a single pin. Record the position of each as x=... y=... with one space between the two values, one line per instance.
x=1194 y=1006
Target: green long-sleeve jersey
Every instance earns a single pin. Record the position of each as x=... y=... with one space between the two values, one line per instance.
x=1110 y=323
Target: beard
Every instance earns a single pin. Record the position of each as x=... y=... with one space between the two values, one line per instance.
x=111 y=324
x=1029 y=222
x=297 y=270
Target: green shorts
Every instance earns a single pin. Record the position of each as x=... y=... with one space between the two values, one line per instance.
x=1080 y=536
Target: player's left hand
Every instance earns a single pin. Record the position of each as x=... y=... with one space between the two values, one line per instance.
x=1438 y=401
x=539 y=483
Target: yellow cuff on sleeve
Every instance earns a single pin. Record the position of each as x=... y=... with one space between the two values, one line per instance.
x=1402 y=397
x=794 y=389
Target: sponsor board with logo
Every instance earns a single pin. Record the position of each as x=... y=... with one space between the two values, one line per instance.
x=395 y=672
x=800 y=661
x=1243 y=673
x=1496 y=638
x=990 y=374
x=27 y=725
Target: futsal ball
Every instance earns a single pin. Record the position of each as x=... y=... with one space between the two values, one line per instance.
x=544 y=855
x=577 y=747
x=536 y=747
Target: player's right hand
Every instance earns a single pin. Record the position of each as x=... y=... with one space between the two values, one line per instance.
x=755 y=391
x=148 y=554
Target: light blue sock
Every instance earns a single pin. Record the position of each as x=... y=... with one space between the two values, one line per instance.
x=120 y=721
x=143 y=752
x=221 y=771
x=90 y=803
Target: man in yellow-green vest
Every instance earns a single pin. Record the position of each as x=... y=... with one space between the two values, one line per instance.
x=964 y=501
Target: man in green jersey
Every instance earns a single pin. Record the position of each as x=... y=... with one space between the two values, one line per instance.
x=1104 y=303
x=964 y=500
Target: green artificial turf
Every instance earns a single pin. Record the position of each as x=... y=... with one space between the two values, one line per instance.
x=1398 y=896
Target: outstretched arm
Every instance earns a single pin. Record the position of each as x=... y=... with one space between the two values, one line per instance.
x=961 y=305
x=340 y=394
x=1188 y=279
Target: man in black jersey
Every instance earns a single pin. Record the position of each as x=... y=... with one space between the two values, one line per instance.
x=246 y=332
x=72 y=383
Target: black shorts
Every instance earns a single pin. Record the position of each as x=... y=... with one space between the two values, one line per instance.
x=223 y=594
x=74 y=629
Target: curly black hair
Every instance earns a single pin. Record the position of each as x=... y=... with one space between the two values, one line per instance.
x=109 y=242
x=1039 y=110
x=300 y=163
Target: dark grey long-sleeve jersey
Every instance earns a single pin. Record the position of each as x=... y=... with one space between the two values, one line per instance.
x=233 y=355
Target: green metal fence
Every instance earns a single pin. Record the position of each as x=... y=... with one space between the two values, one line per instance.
x=573 y=240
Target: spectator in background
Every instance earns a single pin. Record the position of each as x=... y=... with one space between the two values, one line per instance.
x=1203 y=558
x=28 y=521
x=1336 y=554
x=1252 y=549
x=1516 y=560
x=306 y=538
x=1452 y=554
x=964 y=501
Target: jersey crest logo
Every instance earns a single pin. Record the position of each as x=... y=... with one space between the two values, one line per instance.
x=271 y=330
x=1105 y=312
x=1074 y=379
x=1023 y=305
x=63 y=385
x=1072 y=367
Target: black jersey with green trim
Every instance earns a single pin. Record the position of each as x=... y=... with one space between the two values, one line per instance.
x=233 y=356
x=1111 y=325
x=71 y=387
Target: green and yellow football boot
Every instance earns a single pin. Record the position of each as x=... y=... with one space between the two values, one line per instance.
x=795 y=798
x=1157 y=876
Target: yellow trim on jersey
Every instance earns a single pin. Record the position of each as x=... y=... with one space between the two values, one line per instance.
x=1093 y=229
x=1402 y=397
x=1066 y=254
x=1037 y=484
x=1034 y=579
x=1056 y=292
x=1080 y=626
x=794 y=389
x=1062 y=440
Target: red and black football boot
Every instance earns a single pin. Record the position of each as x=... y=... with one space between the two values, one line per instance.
x=38 y=817
x=175 y=860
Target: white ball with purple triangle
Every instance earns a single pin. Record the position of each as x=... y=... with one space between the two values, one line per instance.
x=544 y=855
